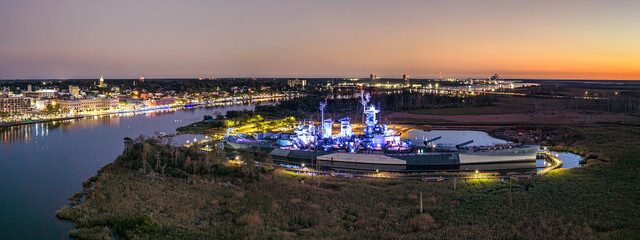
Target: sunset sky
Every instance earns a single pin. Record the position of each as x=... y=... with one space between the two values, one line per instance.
x=155 y=38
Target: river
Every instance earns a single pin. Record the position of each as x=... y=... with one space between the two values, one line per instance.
x=42 y=164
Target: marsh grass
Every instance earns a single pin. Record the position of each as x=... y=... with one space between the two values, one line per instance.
x=596 y=201
x=97 y=233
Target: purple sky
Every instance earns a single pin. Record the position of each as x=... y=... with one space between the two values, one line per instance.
x=297 y=38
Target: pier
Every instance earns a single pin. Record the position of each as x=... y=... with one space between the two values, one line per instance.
x=555 y=163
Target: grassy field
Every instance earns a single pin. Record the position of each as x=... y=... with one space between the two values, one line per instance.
x=500 y=108
x=518 y=111
x=596 y=201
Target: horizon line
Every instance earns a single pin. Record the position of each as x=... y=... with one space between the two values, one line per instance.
x=304 y=78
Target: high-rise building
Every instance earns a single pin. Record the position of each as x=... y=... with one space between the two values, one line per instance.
x=29 y=88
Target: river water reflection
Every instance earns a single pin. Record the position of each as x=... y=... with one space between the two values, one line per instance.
x=569 y=160
x=41 y=165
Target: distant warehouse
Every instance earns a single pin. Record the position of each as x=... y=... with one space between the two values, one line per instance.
x=95 y=104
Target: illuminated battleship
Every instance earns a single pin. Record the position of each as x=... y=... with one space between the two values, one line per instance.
x=376 y=148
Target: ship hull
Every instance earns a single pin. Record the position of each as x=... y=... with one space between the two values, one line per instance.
x=524 y=154
x=433 y=161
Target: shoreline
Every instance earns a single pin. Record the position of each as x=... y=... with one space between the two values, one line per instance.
x=178 y=107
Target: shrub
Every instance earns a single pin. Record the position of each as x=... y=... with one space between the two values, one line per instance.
x=130 y=226
x=98 y=233
x=422 y=223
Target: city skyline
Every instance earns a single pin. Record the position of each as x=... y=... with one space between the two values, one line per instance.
x=118 y=39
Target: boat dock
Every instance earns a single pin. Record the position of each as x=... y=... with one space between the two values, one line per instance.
x=9 y=124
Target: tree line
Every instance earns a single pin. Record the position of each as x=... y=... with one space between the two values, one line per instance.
x=158 y=157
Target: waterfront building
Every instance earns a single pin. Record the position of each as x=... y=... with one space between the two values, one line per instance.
x=159 y=102
x=15 y=104
x=135 y=102
x=138 y=103
x=40 y=104
x=93 y=104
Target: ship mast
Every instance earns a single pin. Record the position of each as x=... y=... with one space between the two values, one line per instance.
x=364 y=100
x=323 y=105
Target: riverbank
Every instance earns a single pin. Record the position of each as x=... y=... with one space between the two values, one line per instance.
x=151 y=109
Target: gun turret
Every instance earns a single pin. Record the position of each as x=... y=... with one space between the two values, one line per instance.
x=463 y=144
x=431 y=140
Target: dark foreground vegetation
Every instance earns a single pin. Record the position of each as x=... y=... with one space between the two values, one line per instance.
x=156 y=191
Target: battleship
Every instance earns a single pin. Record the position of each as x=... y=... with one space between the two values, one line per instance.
x=377 y=148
